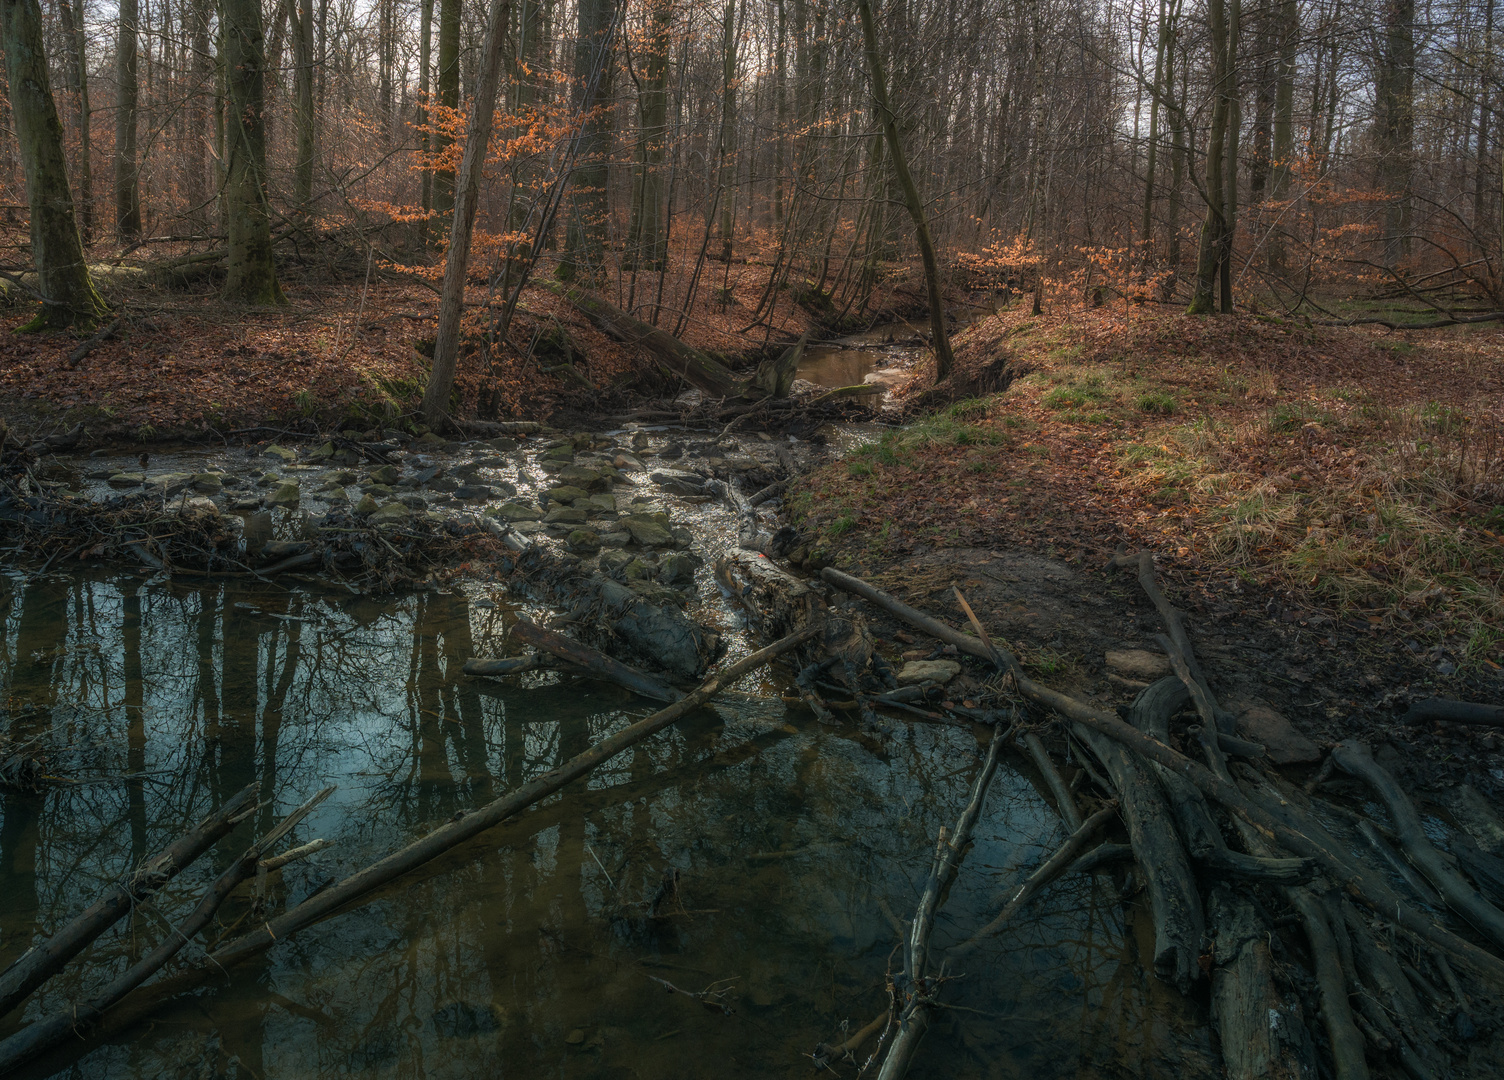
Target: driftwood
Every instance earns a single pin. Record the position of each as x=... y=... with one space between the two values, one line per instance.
x=360 y=885
x=43 y=961
x=1294 y=833
x=84 y=348
x=1065 y=802
x=594 y=661
x=1046 y=872
x=1100 y=856
x=773 y=600
x=1342 y=1032
x=1174 y=621
x=914 y=989
x=706 y=374
x=1454 y=712
x=1460 y=896
x=38 y=1037
x=1262 y=1033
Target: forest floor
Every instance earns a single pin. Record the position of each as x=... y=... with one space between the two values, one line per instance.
x=1326 y=503
x=183 y=367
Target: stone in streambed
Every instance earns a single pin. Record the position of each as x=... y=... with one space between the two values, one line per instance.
x=648 y=531
x=286 y=495
x=564 y=515
x=583 y=542
x=366 y=507
x=391 y=514
x=916 y=672
x=126 y=480
x=679 y=568
x=386 y=475
x=516 y=511
x=281 y=453
x=567 y=493
x=581 y=477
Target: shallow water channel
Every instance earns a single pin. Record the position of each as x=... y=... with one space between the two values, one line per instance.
x=528 y=952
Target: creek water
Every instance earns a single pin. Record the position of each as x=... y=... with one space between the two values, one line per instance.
x=528 y=952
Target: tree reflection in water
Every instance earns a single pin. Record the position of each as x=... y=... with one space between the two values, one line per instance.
x=525 y=952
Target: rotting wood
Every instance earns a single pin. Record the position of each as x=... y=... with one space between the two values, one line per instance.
x=42 y=961
x=1065 y=802
x=1100 y=856
x=1046 y=872
x=1454 y=712
x=913 y=988
x=1262 y=1034
x=41 y=1035
x=360 y=885
x=1346 y=1040
x=1353 y=758
x=1266 y=817
x=594 y=661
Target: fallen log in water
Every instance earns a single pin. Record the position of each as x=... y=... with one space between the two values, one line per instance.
x=913 y=988
x=1046 y=872
x=37 y=1037
x=41 y=962
x=360 y=885
x=1455 y=712
x=1266 y=816
x=594 y=661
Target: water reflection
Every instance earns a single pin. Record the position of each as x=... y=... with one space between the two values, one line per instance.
x=526 y=953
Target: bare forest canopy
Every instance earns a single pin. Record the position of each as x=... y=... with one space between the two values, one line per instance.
x=1287 y=154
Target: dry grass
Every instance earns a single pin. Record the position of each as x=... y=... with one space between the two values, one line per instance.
x=1362 y=470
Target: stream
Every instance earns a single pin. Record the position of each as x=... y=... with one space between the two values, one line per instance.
x=749 y=850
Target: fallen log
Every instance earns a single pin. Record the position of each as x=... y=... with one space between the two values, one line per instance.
x=1262 y=1034
x=1100 y=856
x=1046 y=872
x=1065 y=802
x=914 y=989
x=509 y=665
x=1266 y=817
x=360 y=885
x=594 y=661
x=41 y=962
x=42 y=1035
x=1346 y=1040
x=1454 y=712
x=1353 y=758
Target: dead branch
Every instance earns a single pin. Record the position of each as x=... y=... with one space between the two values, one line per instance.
x=1065 y=802
x=42 y=1035
x=1353 y=758
x=41 y=962
x=1454 y=712
x=594 y=661
x=712 y=998
x=1045 y=873
x=914 y=989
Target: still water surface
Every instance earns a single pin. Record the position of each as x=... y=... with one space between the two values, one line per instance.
x=527 y=952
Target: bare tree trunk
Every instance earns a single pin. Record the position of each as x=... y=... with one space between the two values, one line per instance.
x=1396 y=100
x=1283 y=151
x=252 y=276
x=425 y=112
x=127 y=191
x=456 y=263
x=63 y=278
x=449 y=98
x=585 y=241
x=728 y=128
x=78 y=74
x=1214 y=225
x=645 y=235
x=302 y=26
x=943 y=359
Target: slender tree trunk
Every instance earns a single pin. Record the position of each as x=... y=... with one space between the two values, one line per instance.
x=1485 y=115
x=252 y=276
x=727 y=179
x=1234 y=127
x=1396 y=92
x=585 y=241
x=1283 y=149
x=425 y=112
x=1214 y=225
x=780 y=111
x=645 y=248
x=1156 y=92
x=449 y=99
x=62 y=272
x=467 y=194
x=127 y=190
x=78 y=73
x=302 y=25
x=943 y=359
